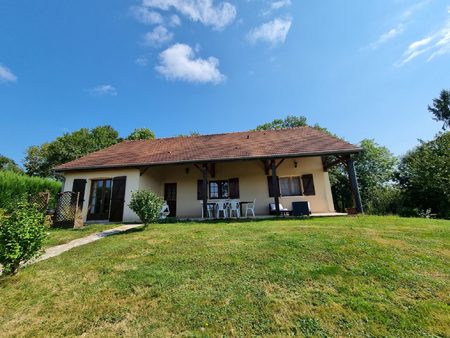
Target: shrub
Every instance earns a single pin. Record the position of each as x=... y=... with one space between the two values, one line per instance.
x=147 y=205
x=16 y=187
x=22 y=234
x=386 y=200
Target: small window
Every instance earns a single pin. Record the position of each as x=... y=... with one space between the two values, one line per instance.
x=308 y=185
x=224 y=189
x=290 y=186
x=213 y=189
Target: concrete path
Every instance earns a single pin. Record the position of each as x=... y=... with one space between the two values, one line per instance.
x=59 y=249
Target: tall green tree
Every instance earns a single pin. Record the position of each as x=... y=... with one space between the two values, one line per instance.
x=141 y=134
x=375 y=168
x=9 y=164
x=36 y=161
x=40 y=160
x=290 y=121
x=424 y=176
x=441 y=108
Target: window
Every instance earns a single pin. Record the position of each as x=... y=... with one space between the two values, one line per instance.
x=308 y=185
x=214 y=189
x=290 y=186
x=220 y=189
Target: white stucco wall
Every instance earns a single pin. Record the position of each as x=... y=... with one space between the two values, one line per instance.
x=132 y=184
x=252 y=184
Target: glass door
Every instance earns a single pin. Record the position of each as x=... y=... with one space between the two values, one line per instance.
x=100 y=200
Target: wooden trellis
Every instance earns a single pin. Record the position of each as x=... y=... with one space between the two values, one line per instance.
x=67 y=212
x=40 y=200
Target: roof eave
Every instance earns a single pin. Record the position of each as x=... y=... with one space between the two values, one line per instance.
x=244 y=158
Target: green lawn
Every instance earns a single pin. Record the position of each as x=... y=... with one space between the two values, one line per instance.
x=58 y=236
x=362 y=276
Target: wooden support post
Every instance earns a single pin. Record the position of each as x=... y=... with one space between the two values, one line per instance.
x=275 y=188
x=354 y=185
x=205 y=190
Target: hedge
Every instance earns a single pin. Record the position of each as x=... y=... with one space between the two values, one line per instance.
x=14 y=187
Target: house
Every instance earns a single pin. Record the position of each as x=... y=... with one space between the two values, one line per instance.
x=283 y=166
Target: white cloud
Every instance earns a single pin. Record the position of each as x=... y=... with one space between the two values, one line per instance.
x=411 y=10
x=179 y=62
x=204 y=11
x=104 y=89
x=418 y=44
x=280 y=4
x=387 y=36
x=175 y=20
x=141 y=61
x=146 y=16
x=404 y=19
x=276 y=5
x=7 y=75
x=442 y=45
x=158 y=36
x=273 y=32
x=434 y=45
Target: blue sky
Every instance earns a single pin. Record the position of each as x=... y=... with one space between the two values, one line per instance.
x=363 y=69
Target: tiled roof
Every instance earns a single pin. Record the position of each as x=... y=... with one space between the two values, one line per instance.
x=303 y=141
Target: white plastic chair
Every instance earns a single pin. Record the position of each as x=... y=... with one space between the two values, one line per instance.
x=282 y=209
x=210 y=208
x=234 y=207
x=250 y=207
x=221 y=207
x=165 y=211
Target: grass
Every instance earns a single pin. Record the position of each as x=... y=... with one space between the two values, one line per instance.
x=57 y=236
x=361 y=276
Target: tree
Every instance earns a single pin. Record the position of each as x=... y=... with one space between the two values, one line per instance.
x=375 y=167
x=424 y=176
x=35 y=161
x=8 y=164
x=141 y=134
x=191 y=133
x=40 y=160
x=441 y=109
x=290 y=121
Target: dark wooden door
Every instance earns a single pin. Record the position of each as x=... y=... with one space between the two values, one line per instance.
x=100 y=200
x=118 y=199
x=79 y=186
x=170 y=196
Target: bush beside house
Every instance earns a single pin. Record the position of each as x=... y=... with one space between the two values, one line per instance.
x=147 y=205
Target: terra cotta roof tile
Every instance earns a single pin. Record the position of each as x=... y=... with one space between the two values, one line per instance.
x=294 y=142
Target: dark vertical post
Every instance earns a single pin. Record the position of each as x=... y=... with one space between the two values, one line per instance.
x=354 y=186
x=275 y=188
x=205 y=190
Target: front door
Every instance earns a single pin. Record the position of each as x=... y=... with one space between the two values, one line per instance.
x=170 y=196
x=100 y=200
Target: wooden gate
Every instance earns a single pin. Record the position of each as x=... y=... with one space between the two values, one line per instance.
x=67 y=212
